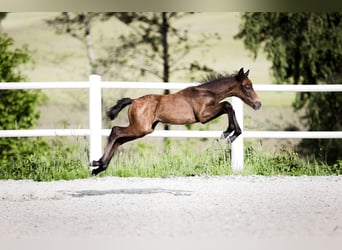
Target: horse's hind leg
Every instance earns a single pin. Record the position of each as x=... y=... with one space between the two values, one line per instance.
x=141 y=120
x=103 y=162
x=119 y=136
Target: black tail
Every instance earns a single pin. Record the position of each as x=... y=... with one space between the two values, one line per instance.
x=114 y=111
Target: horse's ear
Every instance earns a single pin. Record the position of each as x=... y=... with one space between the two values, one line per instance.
x=240 y=75
x=246 y=73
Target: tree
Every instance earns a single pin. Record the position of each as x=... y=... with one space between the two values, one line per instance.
x=79 y=26
x=157 y=45
x=305 y=48
x=153 y=45
x=17 y=107
x=2 y=17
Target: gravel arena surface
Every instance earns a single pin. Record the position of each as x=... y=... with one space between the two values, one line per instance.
x=222 y=208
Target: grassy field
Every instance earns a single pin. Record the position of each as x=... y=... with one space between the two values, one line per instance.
x=178 y=158
x=63 y=58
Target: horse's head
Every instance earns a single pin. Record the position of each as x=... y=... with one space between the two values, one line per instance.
x=245 y=90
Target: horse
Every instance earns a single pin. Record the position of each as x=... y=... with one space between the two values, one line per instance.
x=201 y=103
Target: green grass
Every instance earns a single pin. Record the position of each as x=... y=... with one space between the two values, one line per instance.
x=285 y=162
x=177 y=158
x=58 y=162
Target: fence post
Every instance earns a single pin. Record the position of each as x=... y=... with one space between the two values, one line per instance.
x=95 y=118
x=237 y=145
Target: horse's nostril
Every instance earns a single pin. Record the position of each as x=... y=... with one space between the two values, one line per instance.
x=257 y=105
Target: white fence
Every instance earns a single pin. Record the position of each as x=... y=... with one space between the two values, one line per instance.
x=95 y=131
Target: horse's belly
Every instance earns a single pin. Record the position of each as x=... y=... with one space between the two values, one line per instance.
x=176 y=111
x=178 y=118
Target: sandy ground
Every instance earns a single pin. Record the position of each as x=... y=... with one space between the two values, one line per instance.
x=229 y=207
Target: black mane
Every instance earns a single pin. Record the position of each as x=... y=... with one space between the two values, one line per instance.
x=215 y=77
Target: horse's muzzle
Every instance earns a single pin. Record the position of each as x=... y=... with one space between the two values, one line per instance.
x=257 y=105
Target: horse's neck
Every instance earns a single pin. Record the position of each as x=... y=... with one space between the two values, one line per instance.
x=222 y=88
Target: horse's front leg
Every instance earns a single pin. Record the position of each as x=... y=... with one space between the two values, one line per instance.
x=233 y=125
x=213 y=112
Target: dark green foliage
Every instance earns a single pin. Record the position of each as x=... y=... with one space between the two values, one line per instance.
x=17 y=111
x=10 y=59
x=2 y=15
x=324 y=114
x=45 y=163
x=28 y=158
x=285 y=162
x=17 y=107
x=336 y=168
x=304 y=48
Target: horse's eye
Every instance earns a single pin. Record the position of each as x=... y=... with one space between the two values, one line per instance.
x=247 y=87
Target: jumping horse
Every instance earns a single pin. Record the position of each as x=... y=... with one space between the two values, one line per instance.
x=201 y=103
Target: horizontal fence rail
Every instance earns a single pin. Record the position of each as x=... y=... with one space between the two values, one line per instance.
x=177 y=133
x=164 y=85
x=95 y=131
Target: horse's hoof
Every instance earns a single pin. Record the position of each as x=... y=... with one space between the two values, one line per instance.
x=95 y=167
x=95 y=164
x=94 y=172
x=231 y=139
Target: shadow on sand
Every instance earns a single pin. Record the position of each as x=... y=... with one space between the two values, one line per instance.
x=84 y=193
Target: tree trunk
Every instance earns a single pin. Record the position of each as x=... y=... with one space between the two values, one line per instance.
x=166 y=69
x=89 y=43
x=2 y=16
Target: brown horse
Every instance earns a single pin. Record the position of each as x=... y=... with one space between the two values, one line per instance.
x=200 y=103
